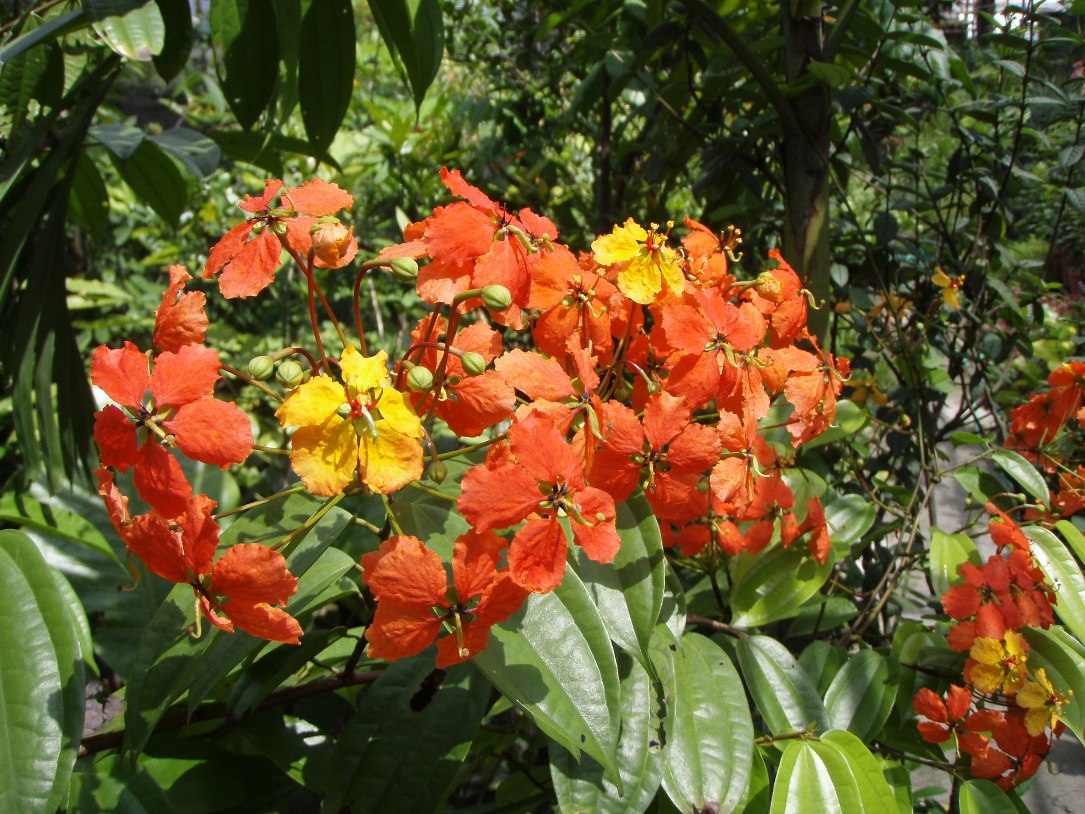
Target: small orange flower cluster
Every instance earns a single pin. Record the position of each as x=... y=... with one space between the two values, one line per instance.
x=993 y=603
x=177 y=539
x=1038 y=430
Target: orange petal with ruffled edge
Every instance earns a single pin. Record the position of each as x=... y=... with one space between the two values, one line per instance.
x=325 y=456
x=477 y=403
x=598 y=537
x=454 y=181
x=319 y=198
x=159 y=547
x=115 y=435
x=212 y=431
x=535 y=375
x=458 y=234
x=407 y=572
x=160 y=480
x=116 y=502
x=253 y=268
x=251 y=572
x=474 y=562
x=180 y=320
x=184 y=376
x=400 y=630
x=228 y=247
x=199 y=533
x=537 y=555
x=260 y=203
x=495 y=498
x=121 y=372
x=263 y=621
x=539 y=447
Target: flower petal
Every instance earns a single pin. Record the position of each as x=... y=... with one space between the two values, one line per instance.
x=251 y=572
x=184 y=376
x=212 y=431
x=121 y=372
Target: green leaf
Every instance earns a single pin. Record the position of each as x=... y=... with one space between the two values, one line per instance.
x=1065 y=576
x=120 y=139
x=821 y=661
x=837 y=773
x=195 y=150
x=135 y=33
x=262 y=149
x=554 y=658
x=385 y=757
x=1063 y=658
x=873 y=787
x=581 y=786
x=89 y=202
x=1073 y=537
x=984 y=797
x=849 y=517
x=179 y=36
x=982 y=485
x=24 y=510
x=629 y=590
x=53 y=27
x=785 y=695
x=41 y=681
x=862 y=694
x=246 y=42
x=835 y=76
x=154 y=177
x=948 y=553
x=774 y=584
x=326 y=69
x=707 y=757
x=413 y=31
x=1023 y=472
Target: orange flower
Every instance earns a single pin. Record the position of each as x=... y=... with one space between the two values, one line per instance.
x=414 y=600
x=180 y=319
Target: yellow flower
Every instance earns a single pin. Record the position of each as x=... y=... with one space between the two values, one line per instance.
x=950 y=286
x=649 y=263
x=999 y=665
x=360 y=425
x=1043 y=702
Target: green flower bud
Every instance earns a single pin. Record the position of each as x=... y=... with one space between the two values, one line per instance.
x=473 y=364
x=261 y=368
x=290 y=374
x=437 y=472
x=496 y=297
x=279 y=228
x=404 y=268
x=420 y=379
x=343 y=410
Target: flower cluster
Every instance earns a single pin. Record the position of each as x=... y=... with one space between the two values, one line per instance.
x=1006 y=715
x=166 y=401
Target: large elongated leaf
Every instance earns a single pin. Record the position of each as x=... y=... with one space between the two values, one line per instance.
x=134 y=32
x=246 y=43
x=774 y=585
x=414 y=33
x=707 y=757
x=984 y=797
x=393 y=754
x=1014 y=465
x=785 y=695
x=554 y=658
x=196 y=151
x=629 y=591
x=582 y=786
x=948 y=553
x=1064 y=573
x=41 y=681
x=177 y=22
x=862 y=694
x=154 y=177
x=25 y=510
x=835 y=774
x=326 y=69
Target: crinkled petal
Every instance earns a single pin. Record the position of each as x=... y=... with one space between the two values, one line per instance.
x=400 y=630
x=499 y=497
x=474 y=562
x=263 y=621
x=212 y=431
x=408 y=573
x=312 y=403
x=325 y=456
x=398 y=413
x=160 y=481
x=159 y=547
x=537 y=555
x=184 y=376
x=180 y=320
x=254 y=267
x=228 y=247
x=121 y=372
x=598 y=537
x=391 y=460
x=251 y=572
x=115 y=435
x=319 y=198
x=260 y=203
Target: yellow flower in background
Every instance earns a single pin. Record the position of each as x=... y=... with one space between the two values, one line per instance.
x=1043 y=702
x=999 y=666
x=650 y=265
x=951 y=287
x=360 y=425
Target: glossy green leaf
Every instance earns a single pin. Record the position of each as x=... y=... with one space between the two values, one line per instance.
x=51 y=28
x=821 y=661
x=413 y=30
x=1023 y=472
x=179 y=36
x=386 y=756
x=326 y=69
x=25 y=510
x=581 y=786
x=758 y=794
x=948 y=553
x=982 y=485
x=193 y=149
x=155 y=179
x=135 y=33
x=629 y=590
x=707 y=764
x=80 y=622
x=866 y=770
x=835 y=774
x=120 y=139
x=113 y=784
x=554 y=658
x=984 y=797
x=246 y=43
x=1073 y=538
x=861 y=695
x=774 y=585
x=41 y=681
x=849 y=517
x=1064 y=574
x=673 y=612
x=784 y=694
x=1063 y=658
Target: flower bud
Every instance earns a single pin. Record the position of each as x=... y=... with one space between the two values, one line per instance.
x=420 y=379
x=278 y=227
x=496 y=297
x=437 y=472
x=769 y=287
x=332 y=244
x=344 y=410
x=290 y=374
x=261 y=368
x=404 y=268
x=474 y=364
